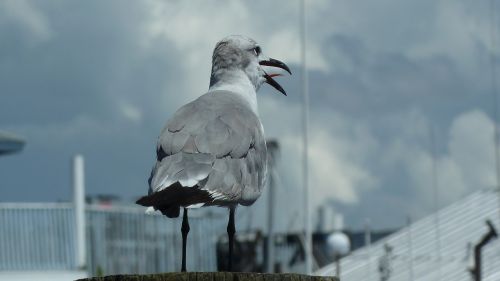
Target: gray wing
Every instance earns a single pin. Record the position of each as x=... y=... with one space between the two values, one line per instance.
x=214 y=144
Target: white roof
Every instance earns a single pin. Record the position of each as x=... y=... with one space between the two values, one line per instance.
x=417 y=254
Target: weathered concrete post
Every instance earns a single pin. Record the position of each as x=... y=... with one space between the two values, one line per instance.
x=213 y=276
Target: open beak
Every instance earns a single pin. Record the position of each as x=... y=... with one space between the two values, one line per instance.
x=269 y=77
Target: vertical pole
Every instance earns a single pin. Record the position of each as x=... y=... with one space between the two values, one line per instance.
x=79 y=205
x=337 y=266
x=493 y=35
x=410 y=250
x=305 y=160
x=270 y=222
x=368 y=243
x=492 y=234
x=272 y=155
x=436 y=201
x=477 y=264
x=494 y=89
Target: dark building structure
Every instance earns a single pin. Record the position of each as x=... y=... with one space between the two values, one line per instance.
x=10 y=143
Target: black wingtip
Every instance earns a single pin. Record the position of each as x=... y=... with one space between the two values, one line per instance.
x=142 y=201
x=171 y=211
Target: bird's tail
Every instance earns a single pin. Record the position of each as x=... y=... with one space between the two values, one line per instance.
x=170 y=199
x=152 y=201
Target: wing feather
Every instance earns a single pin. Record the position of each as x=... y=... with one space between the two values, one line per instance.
x=216 y=145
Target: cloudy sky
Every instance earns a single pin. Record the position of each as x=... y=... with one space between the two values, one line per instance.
x=100 y=78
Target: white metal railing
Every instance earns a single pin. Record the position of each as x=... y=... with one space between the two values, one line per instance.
x=119 y=239
x=36 y=236
x=129 y=241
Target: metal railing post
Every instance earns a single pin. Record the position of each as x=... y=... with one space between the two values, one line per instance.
x=79 y=207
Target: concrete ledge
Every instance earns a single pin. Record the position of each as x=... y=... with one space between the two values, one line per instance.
x=212 y=276
x=42 y=275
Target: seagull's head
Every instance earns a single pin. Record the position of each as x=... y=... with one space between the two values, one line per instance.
x=240 y=53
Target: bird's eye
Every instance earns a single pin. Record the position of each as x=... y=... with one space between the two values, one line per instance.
x=257 y=50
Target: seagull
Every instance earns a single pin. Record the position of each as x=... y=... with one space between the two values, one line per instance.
x=212 y=151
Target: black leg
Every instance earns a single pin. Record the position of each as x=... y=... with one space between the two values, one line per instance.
x=185 y=231
x=231 y=229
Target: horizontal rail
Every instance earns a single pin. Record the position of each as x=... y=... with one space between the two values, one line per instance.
x=35 y=205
